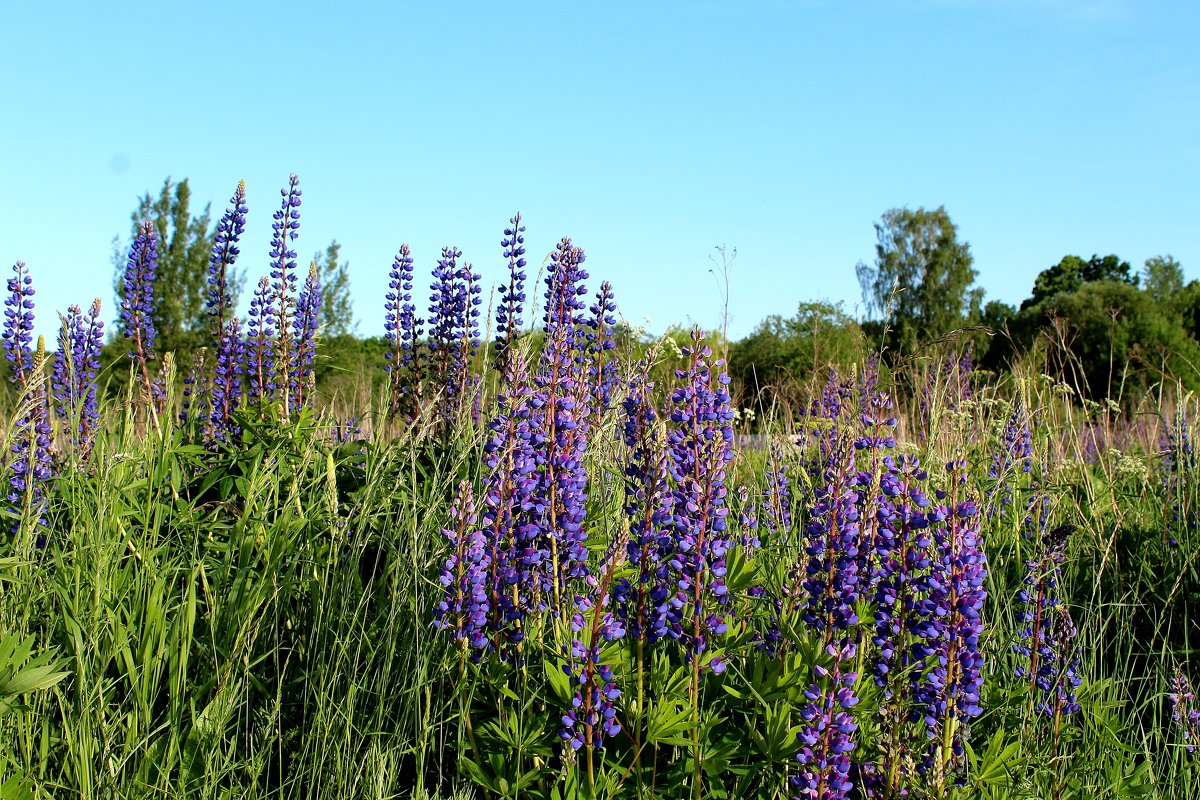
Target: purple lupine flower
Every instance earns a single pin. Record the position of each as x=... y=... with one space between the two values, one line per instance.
x=453 y=329
x=403 y=331
x=826 y=736
x=648 y=506
x=777 y=507
x=949 y=691
x=227 y=380
x=30 y=467
x=511 y=507
x=701 y=444
x=1050 y=662
x=17 y=337
x=74 y=378
x=464 y=606
x=1037 y=514
x=835 y=397
x=602 y=369
x=304 y=330
x=563 y=318
x=1181 y=467
x=868 y=378
x=1015 y=452
x=346 y=431
x=137 y=302
x=512 y=296
x=1184 y=711
x=877 y=436
x=562 y=399
x=830 y=588
x=282 y=300
x=593 y=713
x=901 y=606
x=195 y=392
x=260 y=345
x=220 y=264
x=748 y=525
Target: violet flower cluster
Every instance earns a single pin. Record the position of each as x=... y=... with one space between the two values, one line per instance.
x=1184 y=712
x=281 y=303
x=137 y=302
x=950 y=692
x=1014 y=453
x=304 y=331
x=453 y=331
x=403 y=330
x=30 y=467
x=1050 y=660
x=220 y=264
x=512 y=294
x=700 y=438
x=17 y=337
x=826 y=735
x=74 y=376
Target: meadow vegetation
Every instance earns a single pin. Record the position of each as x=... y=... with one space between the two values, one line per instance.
x=518 y=549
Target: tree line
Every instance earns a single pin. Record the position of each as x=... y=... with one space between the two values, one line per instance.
x=1115 y=330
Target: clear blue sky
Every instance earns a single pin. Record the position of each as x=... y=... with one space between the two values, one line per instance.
x=648 y=132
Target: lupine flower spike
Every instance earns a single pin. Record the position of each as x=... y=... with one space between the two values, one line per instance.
x=403 y=331
x=30 y=467
x=224 y=253
x=282 y=303
x=74 y=378
x=137 y=305
x=18 y=324
x=304 y=329
x=512 y=295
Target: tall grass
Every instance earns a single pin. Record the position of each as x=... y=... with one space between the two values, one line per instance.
x=256 y=621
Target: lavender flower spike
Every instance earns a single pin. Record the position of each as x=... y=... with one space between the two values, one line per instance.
x=74 y=376
x=224 y=253
x=137 y=302
x=512 y=296
x=18 y=324
x=304 y=327
x=403 y=330
x=827 y=735
x=283 y=285
x=260 y=351
x=30 y=467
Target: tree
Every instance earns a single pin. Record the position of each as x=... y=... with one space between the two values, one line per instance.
x=1120 y=341
x=1164 y=278
x=782 y=351
x=1072 y=272
x=922 y=277
x=181 y=283
x=337 y=312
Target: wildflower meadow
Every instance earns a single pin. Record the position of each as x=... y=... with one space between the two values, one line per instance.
x=533 y=552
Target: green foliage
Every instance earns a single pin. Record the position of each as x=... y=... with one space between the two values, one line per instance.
x=1073 y=273
x=782 y=352
x=337 y=311
x=1113 y=340
x=922 y=281
x=1163 y=279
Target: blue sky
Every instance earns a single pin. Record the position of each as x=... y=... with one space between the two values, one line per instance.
x=648 y=132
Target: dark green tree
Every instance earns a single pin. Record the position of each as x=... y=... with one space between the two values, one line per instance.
x=1072 y=272
x=922 y=280
x=1111 y=339
x=181 y=283
x=337 y=311
x=784 y=351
